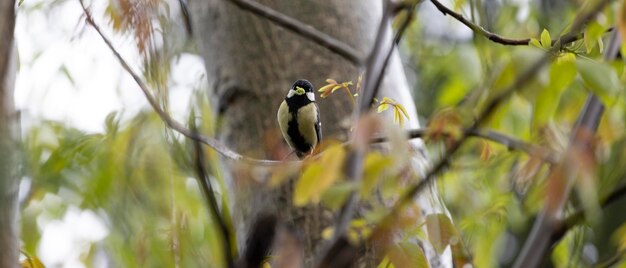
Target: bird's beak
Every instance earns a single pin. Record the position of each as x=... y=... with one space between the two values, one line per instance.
x=299 y=91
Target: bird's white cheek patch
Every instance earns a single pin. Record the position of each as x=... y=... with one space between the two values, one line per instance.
x=291 y=93
x=310 y=96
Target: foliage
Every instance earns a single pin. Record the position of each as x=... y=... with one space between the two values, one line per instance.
x=399 y=112
x=138 y=175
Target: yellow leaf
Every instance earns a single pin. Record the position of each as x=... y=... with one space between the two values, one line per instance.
x=375 y=164
x=325 y=88
x=31 y=261
x=403 y=110
x=441 y=231
x=306 y=185
x=387 y=100
x=397 y=118
x=546 y=41
x=382 y=107
x=335 y=88
x=331 y=81
x=485 y=150
x=328 y=232
x=407 y=254
x=320 y=175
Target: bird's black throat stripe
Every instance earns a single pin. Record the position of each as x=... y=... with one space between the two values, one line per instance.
x=295 y=103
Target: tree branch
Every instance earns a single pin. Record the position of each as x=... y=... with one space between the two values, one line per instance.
x=209 y=194
x=334 y=45
x=536 y=247
x=9 y=158
x=510 y=142
x=334 y=255
x=578 y=216
x=167 y=119
x=496 y=38
x=522 y=80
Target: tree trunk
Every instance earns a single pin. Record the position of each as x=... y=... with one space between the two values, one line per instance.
x=9 y=247
x=251 y=63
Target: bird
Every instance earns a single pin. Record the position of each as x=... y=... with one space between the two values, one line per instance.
x=299 y=118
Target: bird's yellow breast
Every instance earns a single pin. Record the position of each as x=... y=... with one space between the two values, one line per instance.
x=307 y=118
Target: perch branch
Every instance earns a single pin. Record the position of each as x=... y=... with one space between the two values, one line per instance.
x=334 y=45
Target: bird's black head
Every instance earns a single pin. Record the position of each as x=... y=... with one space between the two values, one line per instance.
x=302 y=88
x=304 y=84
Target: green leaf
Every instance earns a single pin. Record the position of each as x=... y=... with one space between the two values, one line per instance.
x=535 y=43
x=453 y=92
x=593 y=33
x=600 y=78
x=546 y=40
x=335 y=196
x=562 y=73
x=441 y=231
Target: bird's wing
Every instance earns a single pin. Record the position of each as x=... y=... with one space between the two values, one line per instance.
x=318 y=125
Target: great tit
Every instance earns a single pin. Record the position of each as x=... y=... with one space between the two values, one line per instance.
x=299 y=118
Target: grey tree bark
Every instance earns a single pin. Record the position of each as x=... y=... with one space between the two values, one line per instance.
x=9 y=247
x=250 y=65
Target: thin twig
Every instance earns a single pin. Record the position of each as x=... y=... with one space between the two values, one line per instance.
x=209 y=194
x=332 y=44
x=578 y=216
x=169 y=121
x=510 y=142
x=496 y=38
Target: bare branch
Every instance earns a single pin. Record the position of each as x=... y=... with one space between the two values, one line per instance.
x=511 y=143
x=169 y=121
x=496 y=37
x=334 y=45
